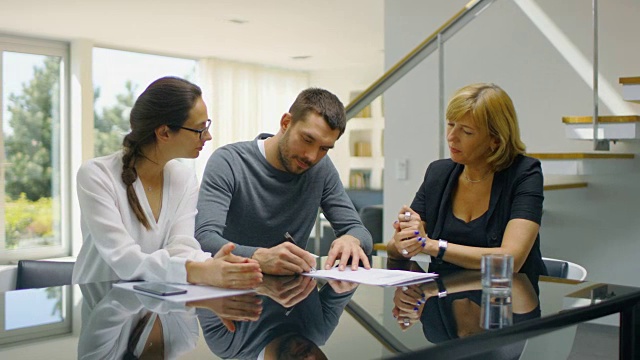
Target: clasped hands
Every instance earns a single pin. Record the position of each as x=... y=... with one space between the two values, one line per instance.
x=408 y=305
x=409 y=237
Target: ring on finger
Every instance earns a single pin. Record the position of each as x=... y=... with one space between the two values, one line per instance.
x=406 y=322
x=404 y=252
x=407 y=216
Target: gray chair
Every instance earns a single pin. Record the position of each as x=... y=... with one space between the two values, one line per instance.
x=565 y=269
x=371 y=217
x=34 y=274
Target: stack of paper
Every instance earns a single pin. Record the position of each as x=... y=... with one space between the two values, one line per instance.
x=380 y=277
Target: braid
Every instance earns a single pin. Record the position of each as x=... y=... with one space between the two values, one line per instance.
x=129 y=176
x=166 y=101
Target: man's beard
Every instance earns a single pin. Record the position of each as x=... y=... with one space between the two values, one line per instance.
x=286 y=159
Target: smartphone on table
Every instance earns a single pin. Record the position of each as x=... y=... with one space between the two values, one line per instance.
x=159 y=289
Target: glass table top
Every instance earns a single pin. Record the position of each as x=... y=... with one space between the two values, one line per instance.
x=293 y=315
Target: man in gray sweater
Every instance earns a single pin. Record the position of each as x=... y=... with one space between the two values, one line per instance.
x=254 y=192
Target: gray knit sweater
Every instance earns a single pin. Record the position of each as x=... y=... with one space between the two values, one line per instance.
x=245 y=200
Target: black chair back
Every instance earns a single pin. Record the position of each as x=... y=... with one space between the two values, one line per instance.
x=371 y=217
x=34 y=274
x=557 y=268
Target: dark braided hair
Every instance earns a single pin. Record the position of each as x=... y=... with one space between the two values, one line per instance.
x=167 y=101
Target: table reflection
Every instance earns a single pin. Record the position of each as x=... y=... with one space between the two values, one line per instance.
x=297 y=318
x=121 y=324
x=452 y=306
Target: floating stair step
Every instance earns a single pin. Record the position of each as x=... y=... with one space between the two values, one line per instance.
x=585 y=163
x=631 y=88
x=563 y=182
x=621 y=127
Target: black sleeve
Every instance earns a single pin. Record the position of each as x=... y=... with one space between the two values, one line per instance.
x=528 y=193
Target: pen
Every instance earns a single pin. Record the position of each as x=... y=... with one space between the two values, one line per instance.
x=289 y=238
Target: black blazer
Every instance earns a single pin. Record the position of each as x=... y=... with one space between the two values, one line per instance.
x=516 y=193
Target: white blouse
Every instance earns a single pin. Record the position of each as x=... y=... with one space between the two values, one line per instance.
x=116 y=245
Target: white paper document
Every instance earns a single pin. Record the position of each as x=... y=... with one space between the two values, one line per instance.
x=381 y=277
x=194 y=292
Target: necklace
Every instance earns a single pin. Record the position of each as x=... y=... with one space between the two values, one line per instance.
x=464 y=173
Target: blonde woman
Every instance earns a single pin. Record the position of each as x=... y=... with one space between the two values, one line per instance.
x=487 y=198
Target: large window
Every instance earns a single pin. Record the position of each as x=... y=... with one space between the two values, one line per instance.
x=51 y=315
x=119 y=77
x=33 y=88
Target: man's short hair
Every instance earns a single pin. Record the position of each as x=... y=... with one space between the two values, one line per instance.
x=323 y=103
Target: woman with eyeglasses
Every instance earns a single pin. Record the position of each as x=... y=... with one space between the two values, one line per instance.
x=138 y=205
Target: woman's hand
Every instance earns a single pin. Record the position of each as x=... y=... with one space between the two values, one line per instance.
x=232 y=308
x=225 y=270
x=408 y=305
x=409 y=236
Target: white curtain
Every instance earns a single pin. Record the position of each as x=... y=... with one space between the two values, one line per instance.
x=244 y=100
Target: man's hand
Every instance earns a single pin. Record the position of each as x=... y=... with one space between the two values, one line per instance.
x=284 y=259
x=287 y=291
x=346 y=247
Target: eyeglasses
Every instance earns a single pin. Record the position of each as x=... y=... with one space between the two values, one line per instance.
x=201 y=131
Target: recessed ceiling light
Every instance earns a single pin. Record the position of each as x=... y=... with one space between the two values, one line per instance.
x=301 y=57
x=238 y=21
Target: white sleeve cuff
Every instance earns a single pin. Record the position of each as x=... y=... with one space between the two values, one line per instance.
x=177 y=271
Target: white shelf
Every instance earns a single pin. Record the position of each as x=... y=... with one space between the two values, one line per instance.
x=364 y=137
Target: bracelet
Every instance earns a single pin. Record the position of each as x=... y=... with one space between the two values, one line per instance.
x=442 y=248
x=442 y=291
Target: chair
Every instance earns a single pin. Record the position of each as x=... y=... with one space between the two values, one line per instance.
x=565 y=269
x=371 y=217
x=34 y=274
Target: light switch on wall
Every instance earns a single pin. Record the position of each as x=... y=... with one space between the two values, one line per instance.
x=402 y=169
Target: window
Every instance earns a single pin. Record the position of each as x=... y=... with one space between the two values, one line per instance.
x=51 y=316
x=32 y=94
x=119 y=77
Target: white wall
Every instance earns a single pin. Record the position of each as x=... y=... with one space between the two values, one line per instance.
x=591 y=226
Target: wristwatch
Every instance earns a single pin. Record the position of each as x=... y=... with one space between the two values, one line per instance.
x=442 y=247
x=442 y=291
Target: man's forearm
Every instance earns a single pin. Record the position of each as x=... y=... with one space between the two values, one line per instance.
x=213 y=242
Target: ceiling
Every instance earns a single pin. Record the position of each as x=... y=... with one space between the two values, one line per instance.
x=334 y=33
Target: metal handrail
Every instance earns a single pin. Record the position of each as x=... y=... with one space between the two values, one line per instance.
x=419 y=53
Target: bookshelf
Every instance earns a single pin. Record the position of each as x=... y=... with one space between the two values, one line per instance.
x=364 y=135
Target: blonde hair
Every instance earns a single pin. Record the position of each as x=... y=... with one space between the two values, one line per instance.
x=492 y=109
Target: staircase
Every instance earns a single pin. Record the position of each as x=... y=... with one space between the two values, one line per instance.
x=569 y=170
x=614 y=128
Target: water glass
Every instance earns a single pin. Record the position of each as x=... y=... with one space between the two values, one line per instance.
x=497 y=273
x=496 y=310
